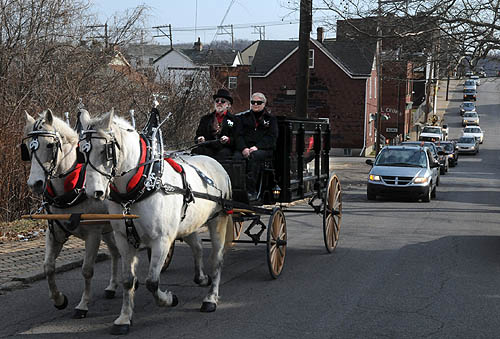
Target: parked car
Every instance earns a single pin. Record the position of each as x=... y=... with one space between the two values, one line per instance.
x=470 y=84
x=468 y=145
x=482 y=74
x=443 y=160
x=467 y=106
x=474 y=131
x=427 y=144
x=451 y=150
x=408 y=171
x=470 y=118
x=476 y=79
x=431 y=133
x=470 y=94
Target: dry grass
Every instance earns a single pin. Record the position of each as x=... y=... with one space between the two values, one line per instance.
x=21 y=230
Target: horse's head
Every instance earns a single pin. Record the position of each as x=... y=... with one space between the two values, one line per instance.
x=101 y=143
x=49 y=144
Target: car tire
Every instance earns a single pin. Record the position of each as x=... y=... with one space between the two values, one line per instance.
x=433 y=193
x=371 y=196
x=427 y=195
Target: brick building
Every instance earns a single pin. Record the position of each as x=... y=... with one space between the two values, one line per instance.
x=342 y=87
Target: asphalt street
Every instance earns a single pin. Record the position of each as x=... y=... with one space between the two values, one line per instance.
x=403 y=269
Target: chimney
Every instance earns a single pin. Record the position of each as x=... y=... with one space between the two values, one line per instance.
x=198 y=45
x=319 y=32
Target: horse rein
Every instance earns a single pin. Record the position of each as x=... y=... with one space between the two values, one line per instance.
x=109 y=150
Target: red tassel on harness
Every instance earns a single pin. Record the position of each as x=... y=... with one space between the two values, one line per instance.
x=174 y=165
x=72 y=179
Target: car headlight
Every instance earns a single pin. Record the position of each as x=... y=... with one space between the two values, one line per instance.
x=450 y=155
x=373 y=177
x=420 y=180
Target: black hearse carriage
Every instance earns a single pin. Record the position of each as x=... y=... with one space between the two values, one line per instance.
x=299 y=170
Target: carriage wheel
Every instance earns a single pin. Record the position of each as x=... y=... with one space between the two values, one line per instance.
x=168 y=260
x=276 y=242
x=332 y=214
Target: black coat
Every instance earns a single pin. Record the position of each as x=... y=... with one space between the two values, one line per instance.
x=228 y=127
x=262 y=133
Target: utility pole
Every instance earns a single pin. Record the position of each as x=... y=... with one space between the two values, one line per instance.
x=161 y=33
x=303 y=63
x=226 y=29
x=100 y=36
x=379 y=76
x=261 y=31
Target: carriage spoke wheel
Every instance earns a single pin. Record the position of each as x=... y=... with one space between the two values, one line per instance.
x=332 y=214
x=276 y=242
x=168 y=259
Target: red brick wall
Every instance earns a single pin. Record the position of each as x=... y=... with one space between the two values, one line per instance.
x=240 y=94
x=332 y=94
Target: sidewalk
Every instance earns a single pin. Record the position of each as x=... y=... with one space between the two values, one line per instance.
x=21 y=262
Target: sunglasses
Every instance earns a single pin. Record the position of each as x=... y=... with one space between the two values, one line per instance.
x=220 y=101
x=253 y=102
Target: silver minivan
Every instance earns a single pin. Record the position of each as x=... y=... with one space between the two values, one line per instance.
x=406 y=171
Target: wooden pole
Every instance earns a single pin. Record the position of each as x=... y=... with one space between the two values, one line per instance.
x=303 y=62
x=85 y=216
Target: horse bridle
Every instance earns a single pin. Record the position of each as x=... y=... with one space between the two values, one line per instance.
x=28 y=152
x=83 y=153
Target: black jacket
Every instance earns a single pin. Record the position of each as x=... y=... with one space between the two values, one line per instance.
x=228 y=127
x=262 y=133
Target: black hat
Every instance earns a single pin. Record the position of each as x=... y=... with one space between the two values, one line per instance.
x=223 y=93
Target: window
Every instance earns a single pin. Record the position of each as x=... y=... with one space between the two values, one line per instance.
x=232 y=82
x=311 y=58
x=250 y=59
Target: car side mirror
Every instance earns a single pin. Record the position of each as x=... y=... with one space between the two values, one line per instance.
x=434 y=164
x=369 y=162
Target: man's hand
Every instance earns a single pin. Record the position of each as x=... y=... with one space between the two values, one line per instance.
x=224 y=139
x=245 y=152
x=201 y=139
x=253 y=149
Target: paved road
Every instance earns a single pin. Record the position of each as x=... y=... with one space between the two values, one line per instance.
x=402 y=269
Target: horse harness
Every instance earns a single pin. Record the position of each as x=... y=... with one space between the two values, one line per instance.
x=74 y=184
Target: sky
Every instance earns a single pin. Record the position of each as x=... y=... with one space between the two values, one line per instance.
x=281 y=23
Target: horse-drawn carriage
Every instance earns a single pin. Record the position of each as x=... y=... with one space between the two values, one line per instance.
x=299 y=170
x=176 y=197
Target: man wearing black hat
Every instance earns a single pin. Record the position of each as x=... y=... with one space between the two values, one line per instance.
x=217 y=130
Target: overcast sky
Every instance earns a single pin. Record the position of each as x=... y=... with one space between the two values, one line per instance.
x=281 y=23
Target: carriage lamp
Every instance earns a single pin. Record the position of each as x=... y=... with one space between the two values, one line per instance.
x=276 y=192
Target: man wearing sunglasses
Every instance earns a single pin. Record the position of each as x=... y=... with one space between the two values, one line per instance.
x=217 y=130
x=256 y=140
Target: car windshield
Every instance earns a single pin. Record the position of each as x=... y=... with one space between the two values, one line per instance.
x=467 y=140
x=472 y=130
x=470 y=115
x=470 y=83
x=431 y=130
x=469 y=105
x=402 y=157
x=475 y=77
x=448 y=147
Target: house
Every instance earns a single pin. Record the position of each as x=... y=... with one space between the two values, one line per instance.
x=142 y=56
x=342 y=87
x=182 y=64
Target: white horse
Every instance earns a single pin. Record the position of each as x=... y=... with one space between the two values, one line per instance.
x=52 y=147
x=163 y=215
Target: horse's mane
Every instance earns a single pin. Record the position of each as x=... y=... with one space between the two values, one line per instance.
x=66 y=131
x=98 y=122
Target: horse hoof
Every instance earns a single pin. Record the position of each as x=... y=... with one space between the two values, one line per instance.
x=120 y=329
x=175 y=301
x=208 y=307
x=109 y=294
x=79 y=314
x=63 y=305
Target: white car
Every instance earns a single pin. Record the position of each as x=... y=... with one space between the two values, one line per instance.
x=470 y=118
x=474 y=131
x=431 y=133
x=476 y=79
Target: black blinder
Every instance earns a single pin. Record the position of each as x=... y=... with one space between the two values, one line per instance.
x=80 y=157
x=25 y=153
x=109 y=149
